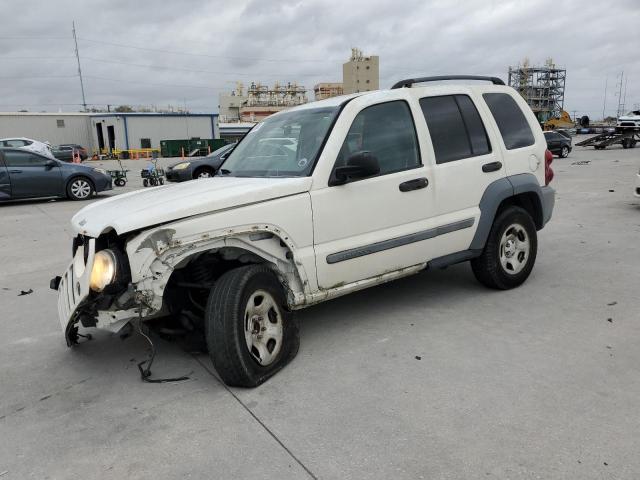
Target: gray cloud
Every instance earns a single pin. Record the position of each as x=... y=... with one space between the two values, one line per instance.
x=303 y=41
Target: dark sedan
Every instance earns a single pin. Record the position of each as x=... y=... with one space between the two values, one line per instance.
x=198 y=167
x=65 y=152
x=26 y=174
x=558 y=144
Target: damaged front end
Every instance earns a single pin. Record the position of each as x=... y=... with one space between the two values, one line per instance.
x=164 y=271
x=96 y=289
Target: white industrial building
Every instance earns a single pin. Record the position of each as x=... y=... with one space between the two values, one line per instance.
x=100 y=131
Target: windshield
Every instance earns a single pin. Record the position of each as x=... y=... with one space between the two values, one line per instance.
x=284 y=145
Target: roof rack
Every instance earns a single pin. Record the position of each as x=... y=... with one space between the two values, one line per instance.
x=410 y=81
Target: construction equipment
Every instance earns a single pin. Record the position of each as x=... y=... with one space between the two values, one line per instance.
x=563 y=122
x=625 y=136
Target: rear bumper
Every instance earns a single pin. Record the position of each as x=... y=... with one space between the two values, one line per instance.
x=548 y=200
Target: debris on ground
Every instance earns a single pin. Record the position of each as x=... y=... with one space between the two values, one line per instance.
x=612 y=304
x=582 y=162
x=611 y=190
x=25 y=292
x=418 y=357
x=610 y=320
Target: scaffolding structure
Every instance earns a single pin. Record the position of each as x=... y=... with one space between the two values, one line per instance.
x=542 y=87
x=289 y=95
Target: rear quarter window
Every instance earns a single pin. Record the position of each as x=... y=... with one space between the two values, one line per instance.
x=512 y=123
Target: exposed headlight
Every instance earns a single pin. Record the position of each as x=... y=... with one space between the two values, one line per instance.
x=104 y=270
x=99 y=170
x=182 y=166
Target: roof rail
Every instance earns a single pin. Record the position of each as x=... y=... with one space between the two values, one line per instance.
x=410 y=81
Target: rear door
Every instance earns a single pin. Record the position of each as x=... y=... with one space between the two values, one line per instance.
x=466 y=160
x=5 y=182
x=31 y=176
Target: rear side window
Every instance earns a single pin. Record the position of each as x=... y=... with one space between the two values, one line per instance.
x=512 y=123
x=455 y=127
x=23 y=159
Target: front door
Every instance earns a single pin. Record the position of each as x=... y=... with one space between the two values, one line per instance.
x=31 y=176
x=381 y=223
x=5 y=182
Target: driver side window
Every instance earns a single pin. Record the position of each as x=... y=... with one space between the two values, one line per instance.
x=386 y=131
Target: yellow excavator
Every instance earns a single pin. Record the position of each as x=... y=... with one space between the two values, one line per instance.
x=563 y=122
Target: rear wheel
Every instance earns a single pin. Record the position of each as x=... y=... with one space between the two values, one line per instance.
x=120 y=182
x=80 y=188
x=564 y=153
x=250 y=333
x=510 y=252
x=145 y=183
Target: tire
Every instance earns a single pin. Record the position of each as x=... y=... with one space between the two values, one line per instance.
x=154 y=182
x=203 y=172
x=145 y=183
x=564 y=153
x=161 y=181
x=120 y=182
x=80 y=188
x=233 y=321
x=495 y=268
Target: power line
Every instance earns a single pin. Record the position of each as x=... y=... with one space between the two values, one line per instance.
x=175 y=52
x=44 y=57
x=164 y=67
x=155 y=84
x=38 y=76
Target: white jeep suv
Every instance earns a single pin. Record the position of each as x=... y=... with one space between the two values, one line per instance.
x=380 y=185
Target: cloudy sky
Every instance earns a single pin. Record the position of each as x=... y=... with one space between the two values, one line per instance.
x=153 y=52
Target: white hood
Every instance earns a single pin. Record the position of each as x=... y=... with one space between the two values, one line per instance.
x=154 y=206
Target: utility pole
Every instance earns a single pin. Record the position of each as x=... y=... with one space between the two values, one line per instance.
x=75 y=40
x=620 y=100
x=604 y=104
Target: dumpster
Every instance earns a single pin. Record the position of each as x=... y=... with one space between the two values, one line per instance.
x=192 y=147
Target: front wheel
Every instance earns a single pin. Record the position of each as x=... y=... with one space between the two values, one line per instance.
x=564 y=153
x=80 y=188
x=250 y=333
x=510 y=252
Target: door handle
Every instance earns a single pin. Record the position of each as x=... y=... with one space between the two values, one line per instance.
x=491 y=167
x=15 y=171
x=416 y=184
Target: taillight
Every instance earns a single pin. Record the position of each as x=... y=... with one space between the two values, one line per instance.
x=548 y=171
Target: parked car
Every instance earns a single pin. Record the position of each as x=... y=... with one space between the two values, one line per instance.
x=43 y=148
x=198 y=167
x=381 y=185
x=558 y=144
x=66 y=151
x=25 y=174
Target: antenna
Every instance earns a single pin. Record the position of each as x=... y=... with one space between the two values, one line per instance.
x=75 y=40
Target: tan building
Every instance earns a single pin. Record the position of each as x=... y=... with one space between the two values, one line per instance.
x=361 y=73
x=259 y=101
x=328 y=90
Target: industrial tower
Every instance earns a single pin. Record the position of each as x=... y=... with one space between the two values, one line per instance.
x=542 y=87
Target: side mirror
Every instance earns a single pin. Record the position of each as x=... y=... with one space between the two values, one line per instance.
x=49 y=164
x=359 y=165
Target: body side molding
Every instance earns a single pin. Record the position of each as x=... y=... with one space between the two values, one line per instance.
x=399 y=241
